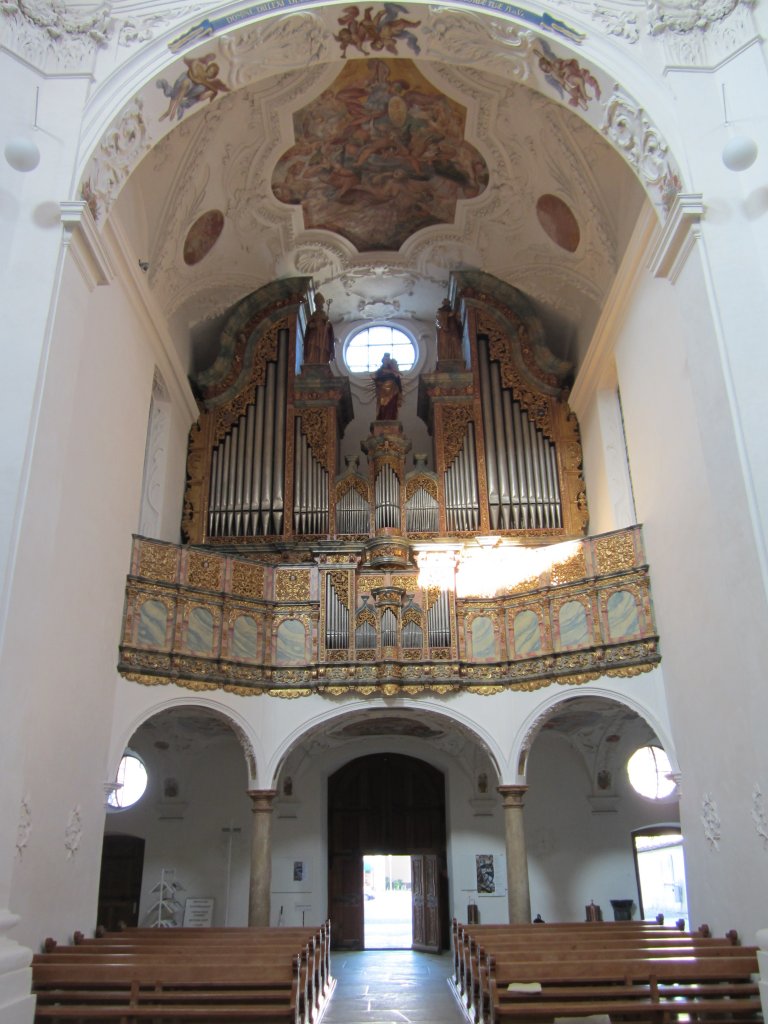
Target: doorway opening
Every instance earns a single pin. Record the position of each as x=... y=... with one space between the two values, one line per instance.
x=387 y=906
x=660 y=868
x=382 y=805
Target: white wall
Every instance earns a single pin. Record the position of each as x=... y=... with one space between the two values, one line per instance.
x=67 y=600
x=708 y=596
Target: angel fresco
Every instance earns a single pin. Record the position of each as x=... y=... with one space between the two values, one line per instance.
x=380 y=31
x=200 y=80
x=568 y=77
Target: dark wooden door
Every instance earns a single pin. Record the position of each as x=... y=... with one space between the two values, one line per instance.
x=380 y=804
x=122 y=865
x=346 y=901
x=425 y=880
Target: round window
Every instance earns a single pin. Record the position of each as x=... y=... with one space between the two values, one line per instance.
x=650 y=772
x=365 y=348
x=131 y=782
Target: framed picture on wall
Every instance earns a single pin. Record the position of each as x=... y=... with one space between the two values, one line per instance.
x=486 y=879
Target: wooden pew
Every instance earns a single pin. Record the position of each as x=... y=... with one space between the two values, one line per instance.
x=174 y=992
x=645 y=989
x=572 y=944
x=262 y=952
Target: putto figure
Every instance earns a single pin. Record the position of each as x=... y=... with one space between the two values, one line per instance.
x=200 y=81
x=380 y=31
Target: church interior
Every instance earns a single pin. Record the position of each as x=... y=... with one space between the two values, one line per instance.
x=383 y=465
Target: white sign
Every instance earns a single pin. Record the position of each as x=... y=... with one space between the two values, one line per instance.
x=198 y=912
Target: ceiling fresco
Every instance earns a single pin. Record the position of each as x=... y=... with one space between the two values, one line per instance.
x=379 y=155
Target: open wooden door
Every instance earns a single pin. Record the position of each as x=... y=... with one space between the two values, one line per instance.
x=425 y=882
x=346 y=900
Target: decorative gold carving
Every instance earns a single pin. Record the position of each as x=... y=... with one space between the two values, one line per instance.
x=352 y=483
x=366 y=655
x=614 y=553
x=290 y=694
x=536 y=405
x=432 y=594
x=455 y=421
x=410 y=584
x=314 y=426
x=421 y=482
x=337 y=559
x=485 y=691
x=340 y=581
x=247 y=580
x=337 y=655
x=573 y=568
x=366 y=615
x=192 y=526
x=411 y=654
x=158 y=562
x=440 y=653
x=292 y=584
x=367 y=584
x=412 y=615
x=204 y=571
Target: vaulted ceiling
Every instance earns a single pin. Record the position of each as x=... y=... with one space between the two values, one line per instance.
x=376 y=175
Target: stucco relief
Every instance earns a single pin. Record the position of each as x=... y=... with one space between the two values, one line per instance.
x=630 y=130
x=480 y=41
x=118 y=153
x=759 y=815
x=73 y=833
x=710 y=820
x=54 y=35
x=24 y=827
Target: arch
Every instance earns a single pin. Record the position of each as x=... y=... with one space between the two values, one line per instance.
x=241 y=727
x=320 y=723
x=532 y=724
x=559 y=61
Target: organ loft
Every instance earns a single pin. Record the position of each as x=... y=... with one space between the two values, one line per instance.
x=466 y=566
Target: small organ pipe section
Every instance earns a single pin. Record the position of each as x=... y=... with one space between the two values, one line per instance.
x=462 y=507
x=247 y=477
x=387 y=498
x=336 y=629
x=521 y=462
x=310 y=489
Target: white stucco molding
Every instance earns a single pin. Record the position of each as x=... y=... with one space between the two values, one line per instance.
x=677 y=236
x=85 y=243
x=598 y=371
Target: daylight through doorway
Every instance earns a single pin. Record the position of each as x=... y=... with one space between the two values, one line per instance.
x=387 y=907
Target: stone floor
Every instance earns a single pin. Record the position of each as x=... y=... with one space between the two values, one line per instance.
x=392 y=987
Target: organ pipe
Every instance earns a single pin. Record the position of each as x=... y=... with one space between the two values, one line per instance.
x=438 y=621
x=248 y=463
x=521 y=462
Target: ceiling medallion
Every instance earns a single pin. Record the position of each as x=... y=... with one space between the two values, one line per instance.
x=202 y=236
x=379 y=155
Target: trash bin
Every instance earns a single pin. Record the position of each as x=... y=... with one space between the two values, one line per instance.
x=622 y=909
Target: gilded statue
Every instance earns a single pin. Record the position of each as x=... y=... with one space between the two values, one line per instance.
x=318 y=336
x=389 y=388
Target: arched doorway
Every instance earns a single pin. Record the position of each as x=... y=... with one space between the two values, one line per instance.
x=390 y=804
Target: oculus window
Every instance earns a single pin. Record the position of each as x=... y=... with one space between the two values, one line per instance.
x=650 y=772
x=365 y=348
x=131 y=782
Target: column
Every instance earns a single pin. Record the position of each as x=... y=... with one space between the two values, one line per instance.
x=261 y=857
x=518 y=895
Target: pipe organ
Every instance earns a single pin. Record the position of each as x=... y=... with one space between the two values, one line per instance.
x=263 y=466
x=399 y=571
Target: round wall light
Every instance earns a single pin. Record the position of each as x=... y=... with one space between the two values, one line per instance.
x=22 y=154
x=739 y=153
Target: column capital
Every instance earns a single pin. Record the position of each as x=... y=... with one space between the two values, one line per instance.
x=512 y=796
x=261 y=800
